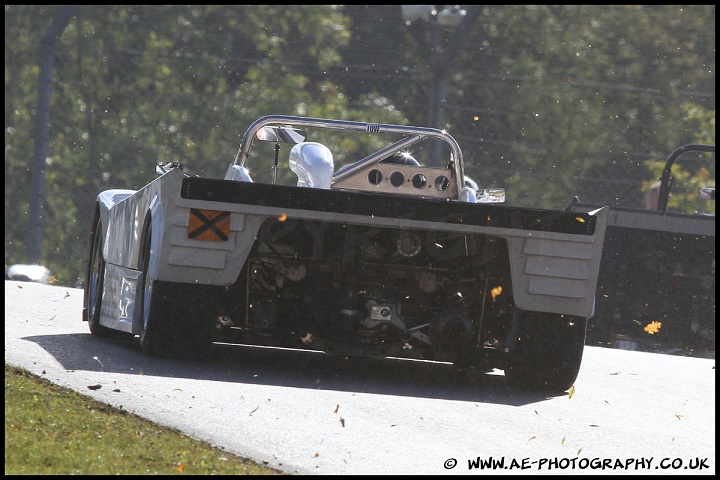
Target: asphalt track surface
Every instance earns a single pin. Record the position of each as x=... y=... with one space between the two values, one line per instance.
x=308 y=413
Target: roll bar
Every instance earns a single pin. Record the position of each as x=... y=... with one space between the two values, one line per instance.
x=413 y=135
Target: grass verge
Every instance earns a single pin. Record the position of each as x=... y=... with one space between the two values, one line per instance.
x=53 y=430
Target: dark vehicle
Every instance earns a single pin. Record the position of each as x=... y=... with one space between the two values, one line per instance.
x=347 y=252
x=656 y=289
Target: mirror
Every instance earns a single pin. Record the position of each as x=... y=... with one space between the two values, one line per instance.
x=491 y=195
x=707 y=193
x=162 y=168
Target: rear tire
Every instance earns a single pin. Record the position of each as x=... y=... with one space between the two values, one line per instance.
x=173 y=319
x=548 y=351
x=94 y=287
x=152 y=337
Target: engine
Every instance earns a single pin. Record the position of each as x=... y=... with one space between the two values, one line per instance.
x=373 y=291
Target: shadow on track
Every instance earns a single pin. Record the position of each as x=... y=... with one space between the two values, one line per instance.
x=290 y=368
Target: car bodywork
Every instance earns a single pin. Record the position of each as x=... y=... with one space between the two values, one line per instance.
x=365 y=259
x=656 y=289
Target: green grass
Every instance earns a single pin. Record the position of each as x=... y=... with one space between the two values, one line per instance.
x=54 y=430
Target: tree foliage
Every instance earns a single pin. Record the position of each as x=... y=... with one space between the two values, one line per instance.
x=546 y=101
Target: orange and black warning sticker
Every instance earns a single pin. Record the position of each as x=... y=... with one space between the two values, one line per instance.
x=209 y=225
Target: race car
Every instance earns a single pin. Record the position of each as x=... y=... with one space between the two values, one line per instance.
x=656 y=288
x=319 y=245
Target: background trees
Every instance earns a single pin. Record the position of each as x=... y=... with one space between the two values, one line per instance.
x=546 y=101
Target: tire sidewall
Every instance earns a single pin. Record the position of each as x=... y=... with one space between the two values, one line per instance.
x=96 y=268
x=548 y=352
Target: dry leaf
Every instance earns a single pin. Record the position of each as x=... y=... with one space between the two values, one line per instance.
x=337 y=408
x=342 y=421
x=653 y=327
x=571 y=392
x=181 y=468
